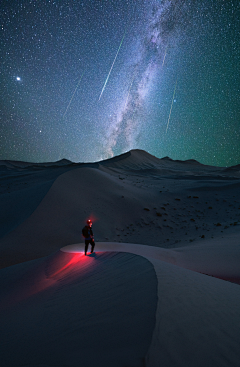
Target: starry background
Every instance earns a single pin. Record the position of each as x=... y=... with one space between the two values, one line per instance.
x=88 y=80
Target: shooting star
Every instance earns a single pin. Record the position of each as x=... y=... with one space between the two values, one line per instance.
x=171 y=105
x=112 y=66
x=164 y=57
x=73 y=94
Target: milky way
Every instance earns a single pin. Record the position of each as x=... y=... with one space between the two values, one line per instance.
x=90 y=80
x=163 y=27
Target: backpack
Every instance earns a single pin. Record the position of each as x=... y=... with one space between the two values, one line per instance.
x=85 y=232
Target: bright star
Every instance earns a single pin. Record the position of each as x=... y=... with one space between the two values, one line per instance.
x=18 y=78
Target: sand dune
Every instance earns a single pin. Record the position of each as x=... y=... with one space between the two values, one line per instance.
x=89 y=311
x=163 y=285
x=195 y=313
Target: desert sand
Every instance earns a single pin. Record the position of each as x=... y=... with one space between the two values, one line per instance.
x=163 y=285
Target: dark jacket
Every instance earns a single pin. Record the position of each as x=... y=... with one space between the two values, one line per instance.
x=87 y=233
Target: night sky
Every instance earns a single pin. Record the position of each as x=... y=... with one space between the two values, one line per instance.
x=88 y=80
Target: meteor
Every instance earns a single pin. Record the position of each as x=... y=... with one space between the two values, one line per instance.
x=171 y=105
x=112 y=66
x=73 y=94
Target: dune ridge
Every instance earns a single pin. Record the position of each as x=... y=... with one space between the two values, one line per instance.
x=167 y=245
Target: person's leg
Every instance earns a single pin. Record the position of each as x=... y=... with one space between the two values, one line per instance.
x=93 y=245
x=86 y=246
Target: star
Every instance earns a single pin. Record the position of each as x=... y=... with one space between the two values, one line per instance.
x=131 y=55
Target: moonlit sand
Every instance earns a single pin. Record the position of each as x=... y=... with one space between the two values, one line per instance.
x=161 y=289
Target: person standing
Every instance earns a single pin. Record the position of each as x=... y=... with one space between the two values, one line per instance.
x=88 y=235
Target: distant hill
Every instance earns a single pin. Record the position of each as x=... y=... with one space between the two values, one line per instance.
x=135 y=159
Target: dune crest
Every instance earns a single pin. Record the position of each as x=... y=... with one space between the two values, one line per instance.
x=161 y=289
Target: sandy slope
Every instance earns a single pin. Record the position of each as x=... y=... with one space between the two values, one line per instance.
x=179 y=218
x=67 y=310
x=135 y=198
x=197 y=318
x=22 y=188
x=56 y=310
